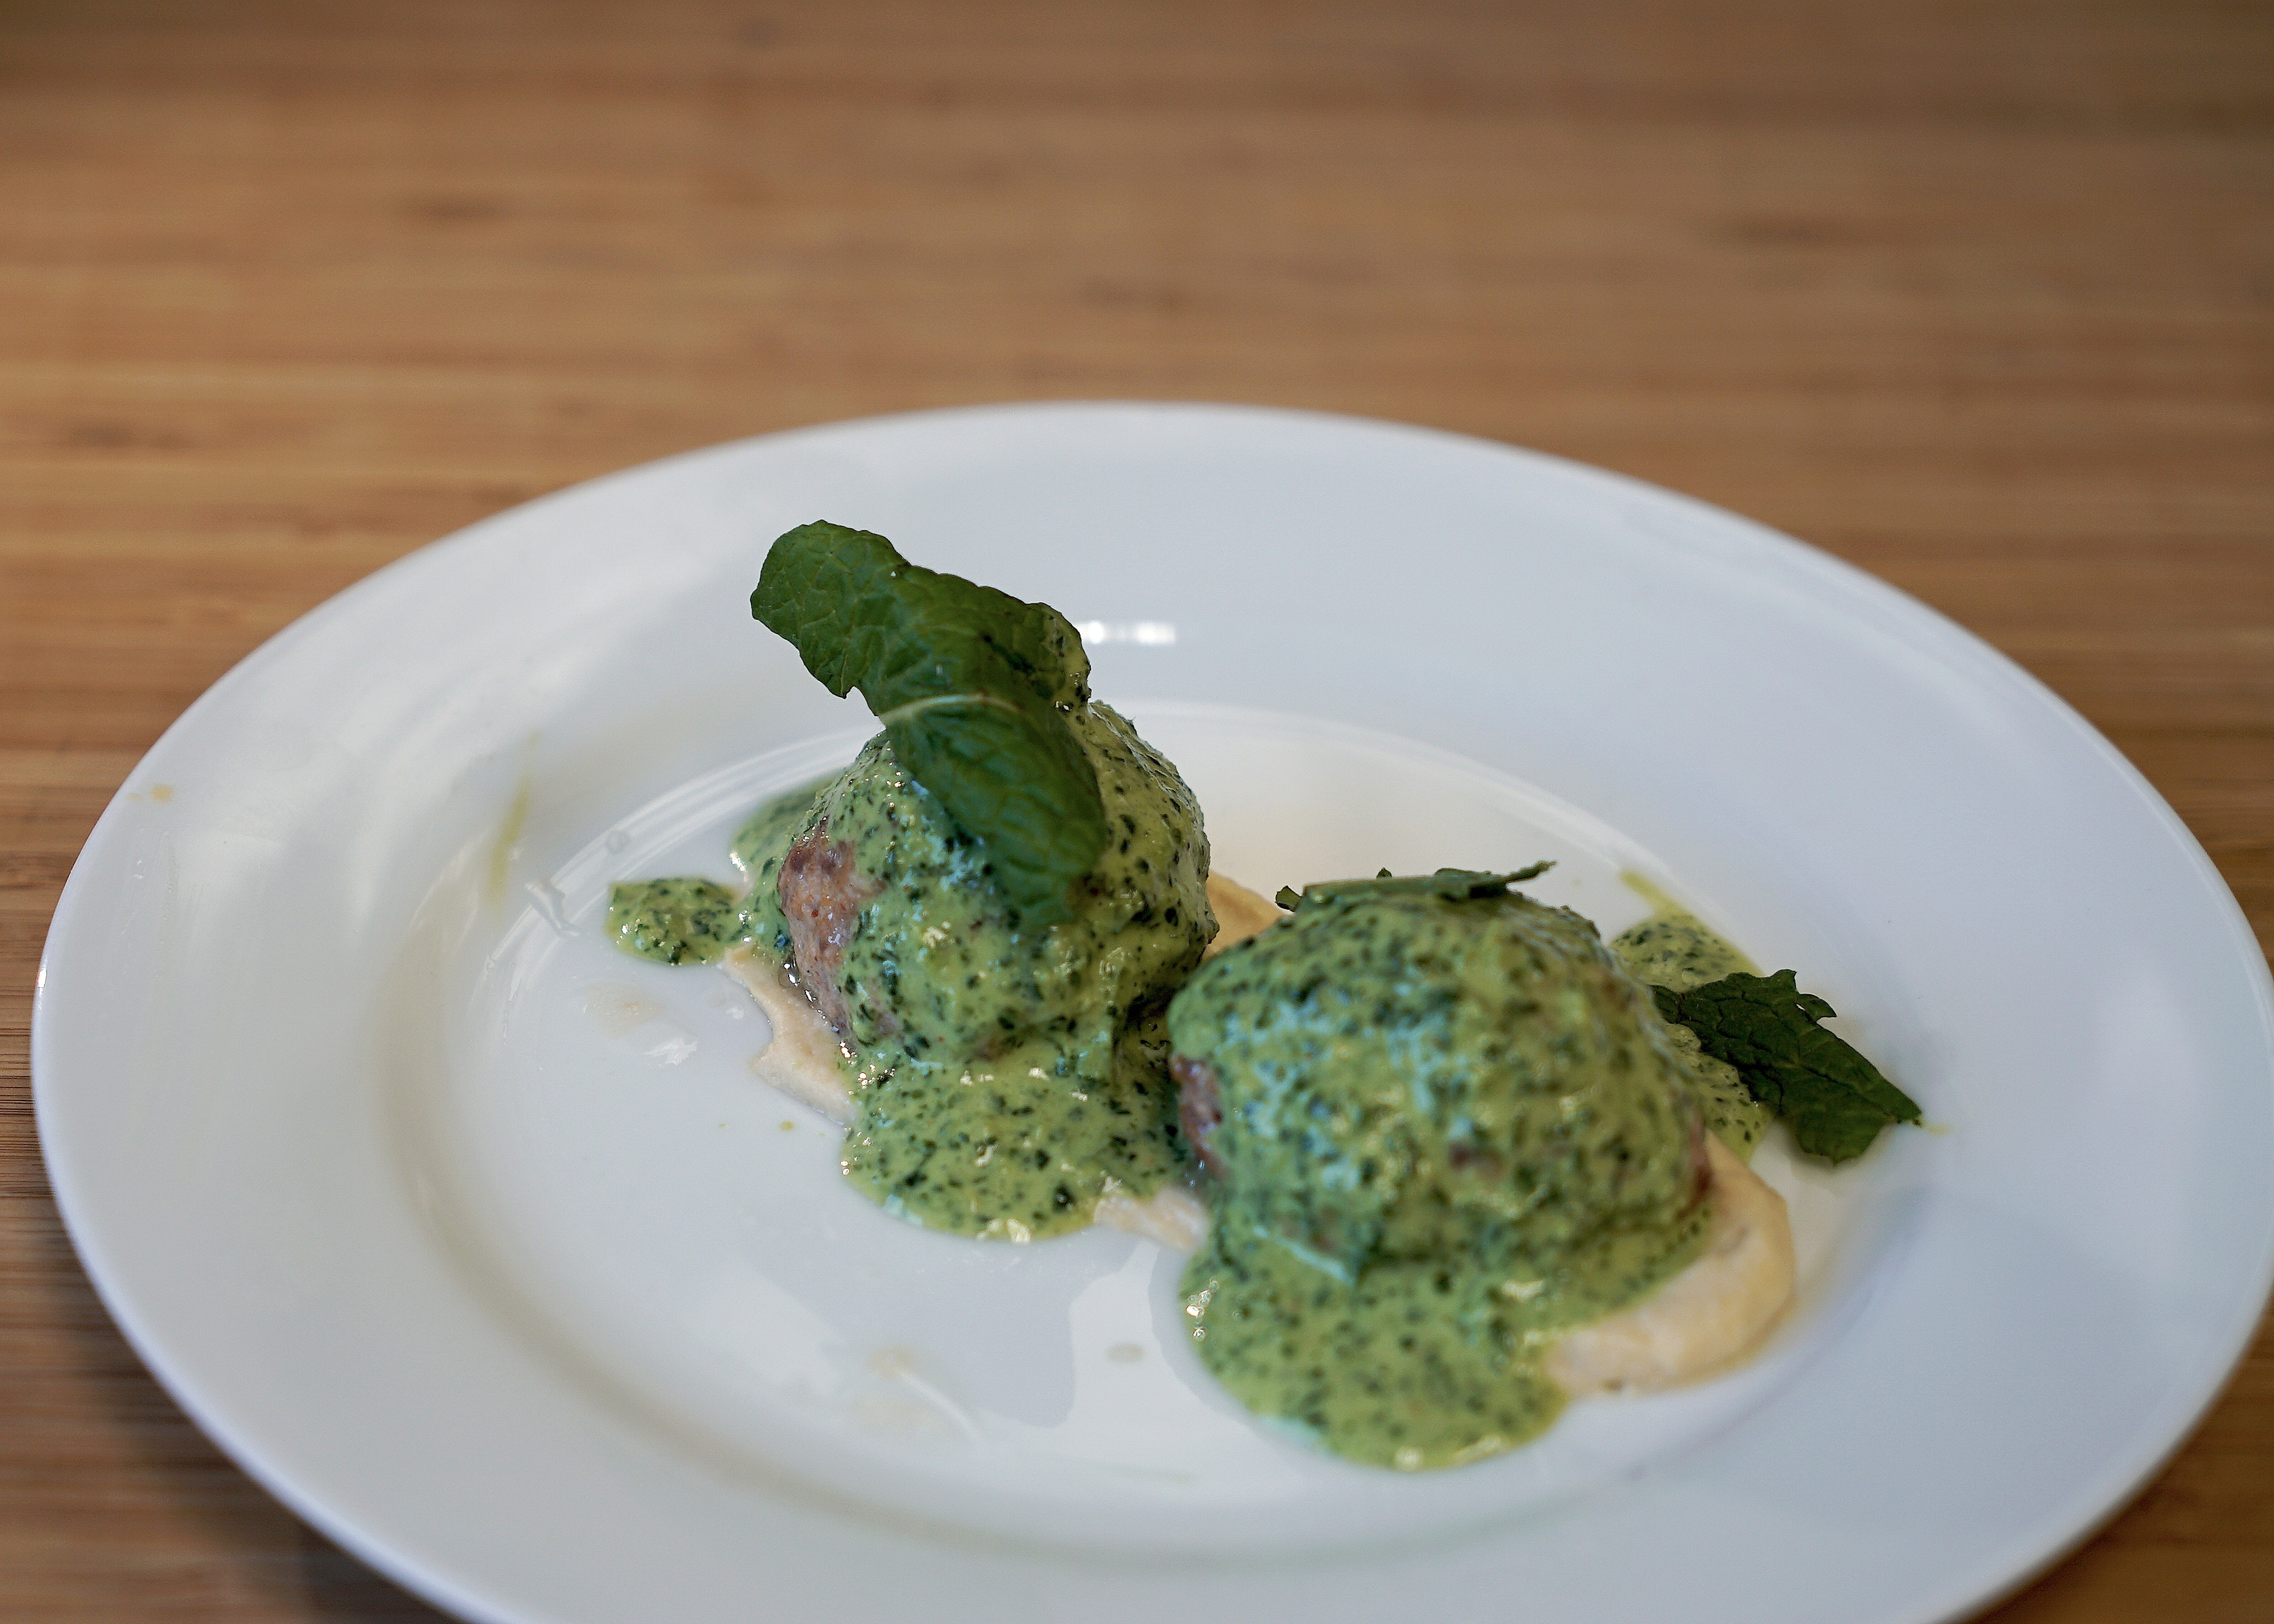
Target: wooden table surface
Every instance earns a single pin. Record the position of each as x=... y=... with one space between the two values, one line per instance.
x=1980 y=296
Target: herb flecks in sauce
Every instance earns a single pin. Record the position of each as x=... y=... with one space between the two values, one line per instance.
x=1672 y=948
x=1754 y=1041
x=1006 y=1075
x=684 y=921
x=1451 y=1128
x=759 y=847
x=1009 y=1074
x=675 y=921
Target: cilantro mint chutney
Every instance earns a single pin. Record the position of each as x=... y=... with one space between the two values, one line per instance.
x=1448 y=1126
x=675 y=921
x=683 y=920
x=1005 y=1074
x=1673 y=949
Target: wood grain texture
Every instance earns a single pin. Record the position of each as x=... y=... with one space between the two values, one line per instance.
x=1978 y=295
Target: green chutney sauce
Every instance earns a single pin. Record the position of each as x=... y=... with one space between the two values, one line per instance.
x=1672 y=949
x=675 y=920
x=1006 y=1075
x=684 y=921
x=1451 y=1130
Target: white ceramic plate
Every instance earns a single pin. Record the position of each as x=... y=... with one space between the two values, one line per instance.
x=477 y=1244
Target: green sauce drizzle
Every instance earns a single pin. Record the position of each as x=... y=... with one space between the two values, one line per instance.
x=675 y=921
x=684 y=921
x=1008 y=1074
x=1452 y=1128
x=1673 y=949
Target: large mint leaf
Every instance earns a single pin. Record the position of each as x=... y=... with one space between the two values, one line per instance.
x=972 y=686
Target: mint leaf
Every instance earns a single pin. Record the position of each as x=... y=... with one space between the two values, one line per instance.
x=1835 y=1100
x=972 y=686
x=1453 y=884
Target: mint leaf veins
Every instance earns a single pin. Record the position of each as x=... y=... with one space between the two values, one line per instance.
x=973 y=687
x=1834 y=1100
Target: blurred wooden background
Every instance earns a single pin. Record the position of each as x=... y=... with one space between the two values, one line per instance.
x=1978 y=295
